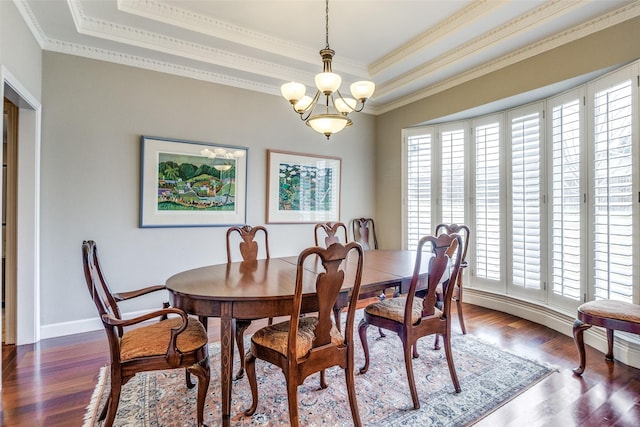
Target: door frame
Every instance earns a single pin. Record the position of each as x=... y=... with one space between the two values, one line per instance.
x=27 y=207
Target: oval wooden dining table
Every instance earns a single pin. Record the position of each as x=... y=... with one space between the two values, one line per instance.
x=264 y=288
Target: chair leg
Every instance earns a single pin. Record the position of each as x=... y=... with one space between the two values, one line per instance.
x=461 y=317
x=203 y=372
x=408 y=363
x=241 y=326
x=452 y=368
x=114 y=400
x=205 y=322
x=351 y=390
x=362 y=332
x=578 y=331
x=188 y=380
x=105 y=408
x=292 y=396
x=323 y=379
x=250 y=366
x=436 y=342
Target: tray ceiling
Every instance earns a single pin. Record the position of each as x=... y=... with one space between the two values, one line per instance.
x=409 y=48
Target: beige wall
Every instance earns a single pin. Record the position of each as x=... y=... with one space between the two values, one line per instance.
x=614 y=46
x=94 y=113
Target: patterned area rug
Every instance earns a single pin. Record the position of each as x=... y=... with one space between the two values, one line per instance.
x=489 y=377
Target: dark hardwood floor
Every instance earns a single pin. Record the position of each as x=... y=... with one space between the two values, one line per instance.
x=50 y=383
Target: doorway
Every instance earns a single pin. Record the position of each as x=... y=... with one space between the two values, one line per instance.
x=9 y=176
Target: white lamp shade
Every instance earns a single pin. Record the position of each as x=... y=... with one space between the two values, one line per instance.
x=303 y=104
x=328 y=123
x=345 y=105
x=293 y=91
x=362 y=90
x=328 y=82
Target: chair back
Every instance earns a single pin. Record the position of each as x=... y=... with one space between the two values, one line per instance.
x=444 y=258
x=98 y=287
x=328 y=284
x=331 y=233
x=101 y=295
x=364 y=230
x=460 y=229
x=248 y=245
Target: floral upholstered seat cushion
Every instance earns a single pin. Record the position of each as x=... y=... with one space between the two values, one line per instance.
x=153 y=340
x=393 y=308
x=276 y=336
x=611 y=309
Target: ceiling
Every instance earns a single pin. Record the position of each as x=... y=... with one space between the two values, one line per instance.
x=409 y=48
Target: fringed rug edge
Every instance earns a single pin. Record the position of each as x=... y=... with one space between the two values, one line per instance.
x=91 y=414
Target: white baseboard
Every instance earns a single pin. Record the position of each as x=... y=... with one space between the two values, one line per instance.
x=626 y=347
x=80 y=326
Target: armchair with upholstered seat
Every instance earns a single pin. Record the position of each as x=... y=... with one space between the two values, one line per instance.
x=412 y=317
x=174 y=342
x=305 y=345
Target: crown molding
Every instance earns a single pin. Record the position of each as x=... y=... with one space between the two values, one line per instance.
x=513 y=28
x=173 y=15
x=31 y=22
x=182 y=18
x=160 y=66
x=456 y=23
x=180 y=48
x=597 y=24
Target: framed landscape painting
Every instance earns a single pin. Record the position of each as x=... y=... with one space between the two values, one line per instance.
x=191 y=184
x=302 y=188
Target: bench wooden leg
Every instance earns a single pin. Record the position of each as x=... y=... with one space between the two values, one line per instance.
x=578 y=336
x=609 y=355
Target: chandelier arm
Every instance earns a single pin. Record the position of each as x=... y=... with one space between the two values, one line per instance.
x=306 y=113
x=358 y=102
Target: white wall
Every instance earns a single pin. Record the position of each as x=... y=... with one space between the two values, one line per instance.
x=94 y=114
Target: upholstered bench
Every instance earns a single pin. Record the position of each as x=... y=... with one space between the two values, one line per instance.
x=609 y=314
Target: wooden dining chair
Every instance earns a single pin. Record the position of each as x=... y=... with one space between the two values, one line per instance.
x=249 y=252
x=330 y=230
x=412 y=317
x=176 y=342
x=248 y=245
x=465 y=233
x=302 y=346
x=364 y=232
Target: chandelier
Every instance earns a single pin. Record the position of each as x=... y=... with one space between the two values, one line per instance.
x=333 y=107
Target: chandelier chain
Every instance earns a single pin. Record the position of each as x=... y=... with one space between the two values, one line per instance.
x=327 y=23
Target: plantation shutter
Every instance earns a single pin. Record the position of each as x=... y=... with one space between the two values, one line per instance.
x=525 y=200
x=566 y=265
x=419 y=155
x=487 y=221
x=452 y=176
x=612 y=201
